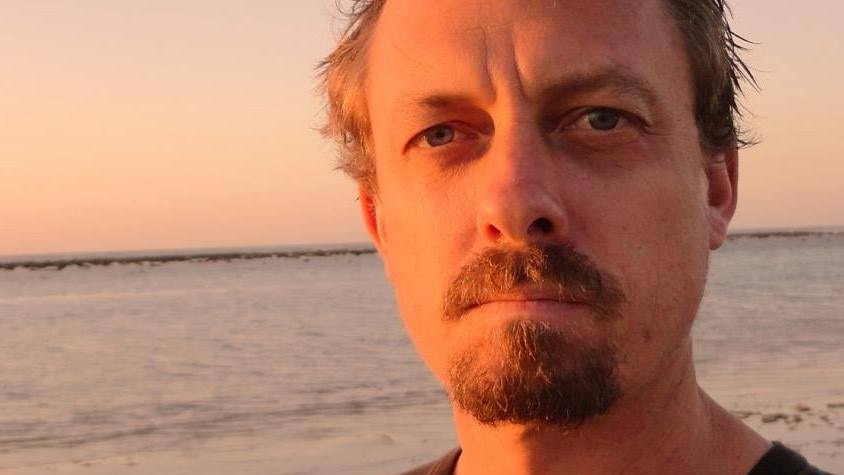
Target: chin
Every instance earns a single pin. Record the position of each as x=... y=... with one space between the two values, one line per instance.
x=529 y=372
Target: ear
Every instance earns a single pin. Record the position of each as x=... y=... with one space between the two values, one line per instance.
x=370 y=212
x=722 y=175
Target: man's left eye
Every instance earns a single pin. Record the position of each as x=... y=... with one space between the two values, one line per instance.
x=599 y=119
x=600 y=127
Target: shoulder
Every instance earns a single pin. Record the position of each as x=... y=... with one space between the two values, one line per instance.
x=442 y=466
x=780 y=460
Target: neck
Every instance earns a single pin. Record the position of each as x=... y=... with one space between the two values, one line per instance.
x=670 y=427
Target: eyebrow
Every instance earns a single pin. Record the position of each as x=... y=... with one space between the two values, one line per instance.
x=615 y=78
x=420 y=104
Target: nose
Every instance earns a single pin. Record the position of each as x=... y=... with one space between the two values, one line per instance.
x=521 y=199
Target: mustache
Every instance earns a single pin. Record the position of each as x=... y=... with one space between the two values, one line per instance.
x=555 y=268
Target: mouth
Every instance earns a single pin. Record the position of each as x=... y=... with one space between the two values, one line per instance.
x=540 y=280
x=529 y=301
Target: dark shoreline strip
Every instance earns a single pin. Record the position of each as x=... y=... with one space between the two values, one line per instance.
x=784 y=234
x=60 y=264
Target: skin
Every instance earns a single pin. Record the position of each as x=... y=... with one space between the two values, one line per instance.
x=513 y=159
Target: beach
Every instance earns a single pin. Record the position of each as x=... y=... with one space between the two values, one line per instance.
x=295 y=362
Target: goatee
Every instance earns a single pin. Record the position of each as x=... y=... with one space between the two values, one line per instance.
x=530 y=373
x=527 y=371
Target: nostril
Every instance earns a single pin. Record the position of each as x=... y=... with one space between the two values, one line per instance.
x=493 y=233
x=541 y=225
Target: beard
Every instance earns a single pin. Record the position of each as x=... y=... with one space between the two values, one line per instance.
x=528 y=372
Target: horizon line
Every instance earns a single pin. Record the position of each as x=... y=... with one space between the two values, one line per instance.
x=61 y=260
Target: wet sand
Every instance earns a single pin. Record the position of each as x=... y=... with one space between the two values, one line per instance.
x=814 y=429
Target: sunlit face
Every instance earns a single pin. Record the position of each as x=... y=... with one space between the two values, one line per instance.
x=505 y=123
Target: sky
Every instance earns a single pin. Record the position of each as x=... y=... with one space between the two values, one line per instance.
x=169 y=124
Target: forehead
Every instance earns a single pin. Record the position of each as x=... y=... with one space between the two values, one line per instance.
x=485 y=49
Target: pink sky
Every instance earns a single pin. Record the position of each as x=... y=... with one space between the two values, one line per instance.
x=161 y=124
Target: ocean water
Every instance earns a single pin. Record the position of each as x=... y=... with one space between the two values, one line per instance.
x=300 y=365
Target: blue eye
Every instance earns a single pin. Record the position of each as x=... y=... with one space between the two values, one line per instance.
x=438 y=135
x=603 y=119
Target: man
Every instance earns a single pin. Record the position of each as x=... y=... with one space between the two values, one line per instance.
x=544 y=181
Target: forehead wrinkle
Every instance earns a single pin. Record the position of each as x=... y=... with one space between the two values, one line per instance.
x=490 y=82
x=466 y=67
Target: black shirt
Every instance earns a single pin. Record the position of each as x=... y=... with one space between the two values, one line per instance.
x=779 y=460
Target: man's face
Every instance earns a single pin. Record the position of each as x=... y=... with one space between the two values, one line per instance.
x=505 y=126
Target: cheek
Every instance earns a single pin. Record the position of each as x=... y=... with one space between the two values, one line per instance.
x=426 y=240
x=664 y=270
x=670 y=259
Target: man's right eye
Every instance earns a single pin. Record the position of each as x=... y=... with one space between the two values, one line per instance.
x=436 y=136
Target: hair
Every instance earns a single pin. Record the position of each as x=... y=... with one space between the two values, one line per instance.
x=714 y=50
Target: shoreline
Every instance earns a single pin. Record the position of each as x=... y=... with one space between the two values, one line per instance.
x=59 y=264
x=35 y=262
x=780 y=234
